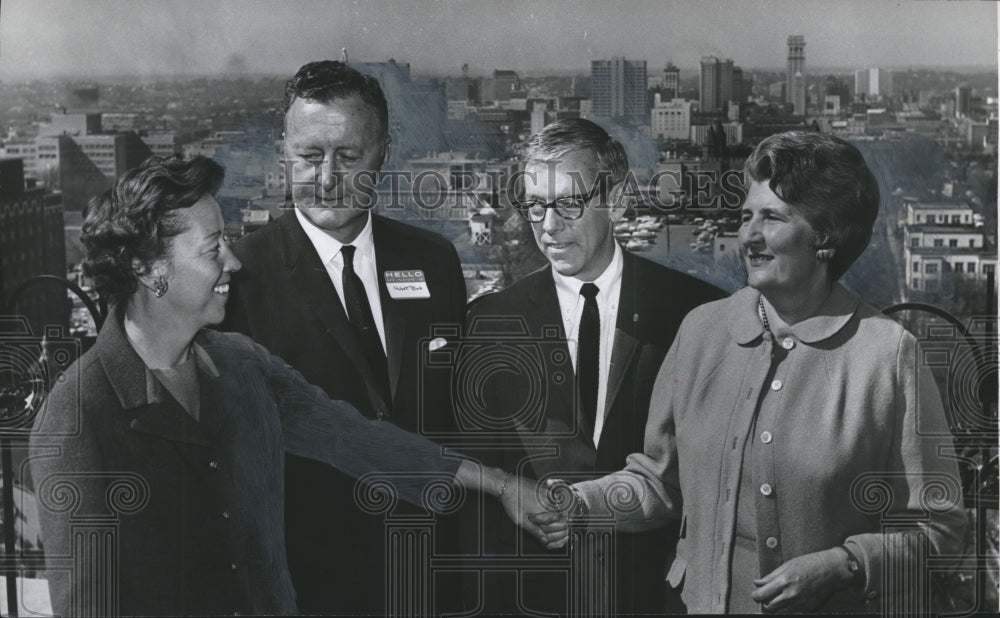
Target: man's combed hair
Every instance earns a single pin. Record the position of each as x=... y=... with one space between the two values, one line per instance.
x=561 y=137
x=137 y=217
x=329 y=80
x=828 y=180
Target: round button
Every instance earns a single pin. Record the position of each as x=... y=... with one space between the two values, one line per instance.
x=225 y=514
x=788 y=343
x=213 y=465
x=776 y=385
x=771 y=542
x=766 y=489
x=234 y=567
x=766 y=437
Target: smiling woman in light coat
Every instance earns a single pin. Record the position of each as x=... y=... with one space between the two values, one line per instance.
x=791 y=423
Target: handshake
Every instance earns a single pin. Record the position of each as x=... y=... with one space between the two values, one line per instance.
x=542 y=509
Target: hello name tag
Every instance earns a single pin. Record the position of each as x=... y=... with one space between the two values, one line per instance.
x=405 y=284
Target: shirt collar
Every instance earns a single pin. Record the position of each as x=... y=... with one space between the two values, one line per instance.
x=604 y=281
x=745 y=326
x=328 y=247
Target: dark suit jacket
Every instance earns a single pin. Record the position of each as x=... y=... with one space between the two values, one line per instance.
x=539 y=408
x=193 y=509
x=283 y=298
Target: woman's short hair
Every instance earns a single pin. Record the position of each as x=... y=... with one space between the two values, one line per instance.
x=571 y=134
x=827 y=179
x=328 y=80
x=137 y=217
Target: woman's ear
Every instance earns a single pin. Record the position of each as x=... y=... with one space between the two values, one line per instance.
x=147 y=274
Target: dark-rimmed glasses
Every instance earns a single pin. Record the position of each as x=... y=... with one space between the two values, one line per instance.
x=569 y=207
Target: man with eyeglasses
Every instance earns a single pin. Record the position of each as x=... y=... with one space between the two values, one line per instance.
x=615 y=315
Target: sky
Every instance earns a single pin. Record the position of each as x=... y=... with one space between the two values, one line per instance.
x=47 y=38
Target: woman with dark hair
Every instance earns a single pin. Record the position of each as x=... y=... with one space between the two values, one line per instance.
x=792 y=427
x=159 y=463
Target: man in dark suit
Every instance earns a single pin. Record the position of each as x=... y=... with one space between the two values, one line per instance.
x=348 y=298
x=597 y=321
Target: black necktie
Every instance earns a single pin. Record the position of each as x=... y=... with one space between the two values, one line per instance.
x=587 y=354
x=359 y=312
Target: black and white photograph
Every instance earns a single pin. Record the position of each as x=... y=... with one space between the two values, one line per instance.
x=499 y=308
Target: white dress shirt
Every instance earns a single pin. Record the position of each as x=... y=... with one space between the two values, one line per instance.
x=328 y=249
x=609 y=285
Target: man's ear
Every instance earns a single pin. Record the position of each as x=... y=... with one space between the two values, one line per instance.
x=618 y=202
x=386 y=151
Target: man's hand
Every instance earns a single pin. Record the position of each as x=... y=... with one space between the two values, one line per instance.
x=523 y=500
x=803 y=583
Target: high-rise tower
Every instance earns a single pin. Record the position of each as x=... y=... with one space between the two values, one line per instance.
x=796 y=92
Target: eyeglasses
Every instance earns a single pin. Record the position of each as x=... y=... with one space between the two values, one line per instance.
x=569 y=207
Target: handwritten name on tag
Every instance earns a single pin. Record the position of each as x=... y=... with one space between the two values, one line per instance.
x=403 y=284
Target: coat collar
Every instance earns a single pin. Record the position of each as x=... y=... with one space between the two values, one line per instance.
x=744 y=322
x=127 y=373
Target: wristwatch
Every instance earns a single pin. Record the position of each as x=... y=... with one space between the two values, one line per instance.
x=580 y=509
x=854 y=566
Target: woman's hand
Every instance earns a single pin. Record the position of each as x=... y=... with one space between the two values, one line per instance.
x=803 y=583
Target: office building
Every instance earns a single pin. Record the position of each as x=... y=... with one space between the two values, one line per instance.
x=670 y=119
x=618 y=89
x=963 y=101
x=31 y=244
x=796 y=74
x=671 y=82
x=716 y=86
x=941 y=243
x=873 y=82
x=86 y=165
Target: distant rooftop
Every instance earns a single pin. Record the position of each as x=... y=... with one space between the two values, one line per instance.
x=945 y=251
x=953 y=205
x=953 y=229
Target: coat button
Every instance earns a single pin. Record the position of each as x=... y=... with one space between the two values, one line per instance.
x=214 y=465
x=380 y=414
x=234 y=567
x=766 y=437
x=771 y=542
x=788 y=343
x=766 y=489
x=776 y=385
x=225 y=514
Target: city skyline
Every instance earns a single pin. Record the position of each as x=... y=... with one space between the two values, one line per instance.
x=113 y=37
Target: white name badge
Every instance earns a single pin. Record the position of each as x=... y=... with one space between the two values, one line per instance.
x=404 y=284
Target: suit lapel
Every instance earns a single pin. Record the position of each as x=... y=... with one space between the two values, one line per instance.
x=388 y=257
x=626 y=343
x=316 y=291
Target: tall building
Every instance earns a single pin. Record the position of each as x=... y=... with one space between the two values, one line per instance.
x=671 y=81
x=717 y=79
x=618 y=89
x=873 y=82
x=796 y=77
x=963 y=101
x=31 y=244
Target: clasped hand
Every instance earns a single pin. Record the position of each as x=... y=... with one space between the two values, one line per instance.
x=540 y=508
